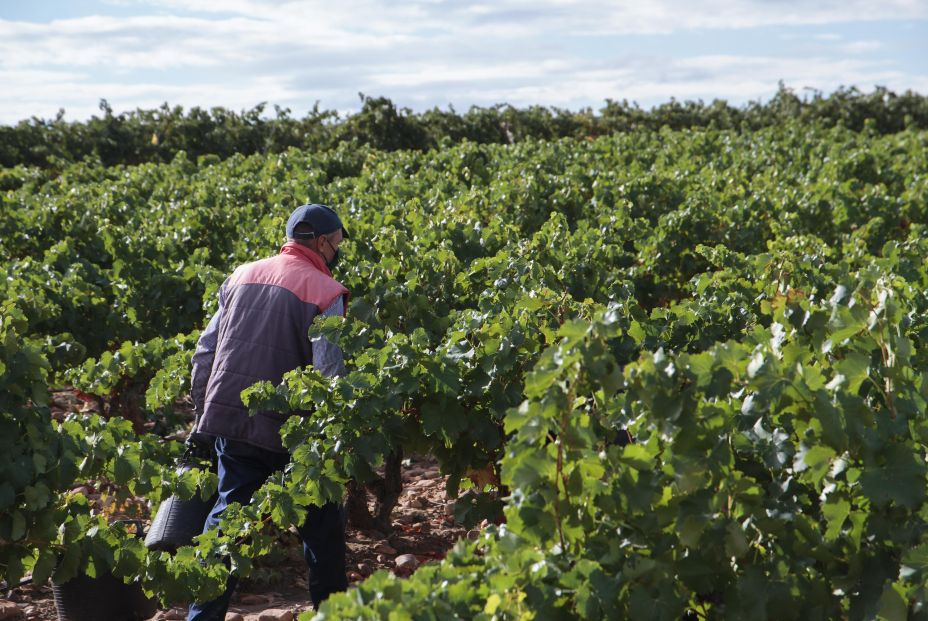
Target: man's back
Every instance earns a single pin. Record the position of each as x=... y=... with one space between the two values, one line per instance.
x=266 y=310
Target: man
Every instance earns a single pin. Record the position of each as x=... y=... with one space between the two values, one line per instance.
x=260 y=333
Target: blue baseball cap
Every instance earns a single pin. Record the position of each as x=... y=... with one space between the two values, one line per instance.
x=321 y=218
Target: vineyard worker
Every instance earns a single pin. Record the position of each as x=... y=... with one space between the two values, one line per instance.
x=260 y=333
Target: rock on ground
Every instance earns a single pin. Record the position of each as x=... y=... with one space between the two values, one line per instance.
x=173 y=614
x=9 y=610
x=272 y=614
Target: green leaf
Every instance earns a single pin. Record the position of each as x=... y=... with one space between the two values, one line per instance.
x=539 y=380
x=14 y=569
x=818 y=459
x=833 y=423
x=574 y=330
x=854 y=367
x=40 y=462
x=447 y=418
x=124 y=470
x=19 y=526
x=69 y=566
x=846 y=322
x=916 y=558
x=637 y=456
x=893 y=605
x=637 y=332
x=37 y=496
x=186 y=485
x=44 y=566
x=736 y=542
x=835 y=512
x=493 y=602
x=900 y=480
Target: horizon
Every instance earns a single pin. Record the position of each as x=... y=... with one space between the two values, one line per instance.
x=268 y=107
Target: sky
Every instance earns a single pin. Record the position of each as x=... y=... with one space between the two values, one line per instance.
x=70 y=54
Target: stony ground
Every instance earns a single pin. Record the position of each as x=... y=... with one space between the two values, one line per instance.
x=424 y=530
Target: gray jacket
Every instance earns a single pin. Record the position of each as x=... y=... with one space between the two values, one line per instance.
x=260 y=333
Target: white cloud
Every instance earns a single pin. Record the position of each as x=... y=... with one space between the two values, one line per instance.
x=46 y=89
x=862 y=47
x=428 y=52
x=649 y=80
x=578 y=16
x=665 y=16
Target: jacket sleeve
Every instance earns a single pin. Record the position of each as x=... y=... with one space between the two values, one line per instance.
x=327 y=357
x=203 y=357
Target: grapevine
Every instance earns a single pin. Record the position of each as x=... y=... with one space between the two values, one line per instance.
x=748 y=302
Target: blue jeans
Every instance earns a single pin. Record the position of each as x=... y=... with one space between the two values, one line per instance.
x=244 y=468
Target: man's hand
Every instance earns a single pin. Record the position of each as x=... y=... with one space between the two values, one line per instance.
x=202 y=445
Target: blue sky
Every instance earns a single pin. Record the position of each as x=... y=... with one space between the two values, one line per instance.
x=426 y=53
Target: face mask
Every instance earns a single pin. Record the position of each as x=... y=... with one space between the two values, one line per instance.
x=335 y=257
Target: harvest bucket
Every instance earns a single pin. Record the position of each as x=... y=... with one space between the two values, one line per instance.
x=178 y=521
x=105 y=597
x=83 y=598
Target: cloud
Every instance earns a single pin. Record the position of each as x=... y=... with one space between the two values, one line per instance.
x=47 y=89
x=423 y=53
x=862 y=47
x=651 y=79
x=667 y=16
x=576 y=16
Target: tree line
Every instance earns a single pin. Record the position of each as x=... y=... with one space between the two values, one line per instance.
x=157 y=135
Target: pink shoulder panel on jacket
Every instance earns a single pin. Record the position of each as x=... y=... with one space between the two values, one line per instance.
x=294 y=273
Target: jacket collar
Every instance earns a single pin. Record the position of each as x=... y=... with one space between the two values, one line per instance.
x=304 y=253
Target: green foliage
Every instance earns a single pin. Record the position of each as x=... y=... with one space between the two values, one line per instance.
x=748 y=299
x=765 y=482
x=45 y=527
x=160 y=368
x=158 y=135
